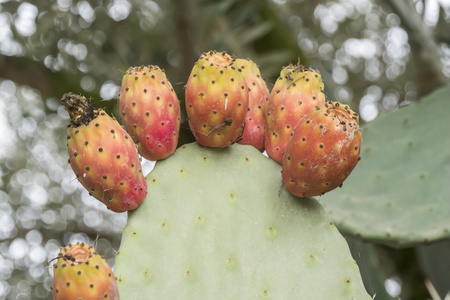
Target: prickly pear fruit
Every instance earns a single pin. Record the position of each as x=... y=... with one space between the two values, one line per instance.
x=322 y=150
x=81 y=273
x=296 y=92
x=150 y=111
x=103 y=156
x=258 y=95
x=216 y=100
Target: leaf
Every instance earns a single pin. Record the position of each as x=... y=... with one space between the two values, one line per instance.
x=399 y=194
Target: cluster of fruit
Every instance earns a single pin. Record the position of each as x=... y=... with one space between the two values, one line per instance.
x=227 y=101
x=317 y=141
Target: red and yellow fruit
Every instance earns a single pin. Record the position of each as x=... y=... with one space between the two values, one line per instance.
x=81 y=273
x=150 y=111
x=103 y=156
x=258 y=95
x=322 y=150
x=216 y=100
x=295 y=93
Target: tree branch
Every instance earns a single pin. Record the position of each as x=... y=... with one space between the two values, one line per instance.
x=425 y=50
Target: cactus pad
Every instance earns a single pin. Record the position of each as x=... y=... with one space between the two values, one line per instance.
x=215 y=225
x=399 y=193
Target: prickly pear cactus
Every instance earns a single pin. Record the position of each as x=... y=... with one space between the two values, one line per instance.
x=215 y=225
x=399 y=193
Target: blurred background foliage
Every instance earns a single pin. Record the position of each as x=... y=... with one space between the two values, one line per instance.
x=374 y=55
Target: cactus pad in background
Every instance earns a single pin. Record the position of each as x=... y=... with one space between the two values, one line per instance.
x=217 y=226
x=399 y=194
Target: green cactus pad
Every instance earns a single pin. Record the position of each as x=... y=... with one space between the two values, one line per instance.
x=399 y=194
x=215 y=225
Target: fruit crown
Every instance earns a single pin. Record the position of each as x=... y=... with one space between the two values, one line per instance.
x=218 y=59
x=80 y=109
x=142 y=69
